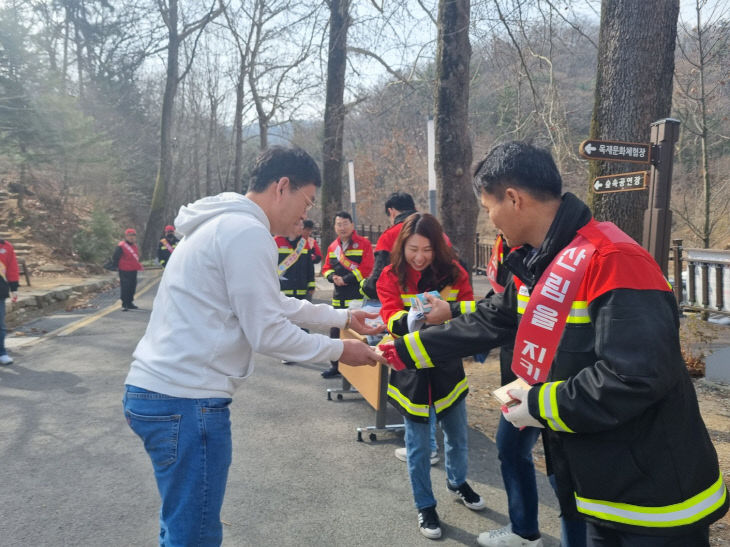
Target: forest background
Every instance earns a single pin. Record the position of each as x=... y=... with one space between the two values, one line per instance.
x=91 y=112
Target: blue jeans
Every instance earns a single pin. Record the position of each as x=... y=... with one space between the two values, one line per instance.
x=3 y=330
x=189 y=443
x=572 y=530
x=514 y=448
x=418 y=447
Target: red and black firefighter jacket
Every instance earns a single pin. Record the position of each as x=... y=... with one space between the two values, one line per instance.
x=298 y=278
x=163 y=252
x=314 y=250
x=627 y=442
x=359 y=252
x=126 y=257
x=412 y=392
x=9 y=274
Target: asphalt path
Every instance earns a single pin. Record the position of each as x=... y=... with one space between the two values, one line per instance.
x=73 y=473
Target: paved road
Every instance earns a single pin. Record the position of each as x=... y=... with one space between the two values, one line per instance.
x=72 y=473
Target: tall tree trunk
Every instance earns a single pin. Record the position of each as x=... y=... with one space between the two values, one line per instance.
x=155 y=221
x=633 y=89
x=238 y=184
x=457 y=207
x=212 y=124
x=334 y=117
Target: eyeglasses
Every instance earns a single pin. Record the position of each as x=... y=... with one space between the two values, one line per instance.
x=309 y=202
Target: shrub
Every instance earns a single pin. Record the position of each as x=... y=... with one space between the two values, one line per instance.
x=95 y=241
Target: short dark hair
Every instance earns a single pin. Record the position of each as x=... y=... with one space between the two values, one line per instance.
x=400 y=201
x=279 y=161
x=344 y=214
x=518 y=164
x=308 y=224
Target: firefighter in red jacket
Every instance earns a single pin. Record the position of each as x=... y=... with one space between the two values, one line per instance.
x=296 y=269
x=126 y=260
x=349 y=260
x=595 y=330
x=8 y=288
x=420 y=262
x=167 y=245
x=314 y=251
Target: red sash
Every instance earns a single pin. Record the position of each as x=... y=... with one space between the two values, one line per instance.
x=538 y=335
x=346 y=262
x=494 y=261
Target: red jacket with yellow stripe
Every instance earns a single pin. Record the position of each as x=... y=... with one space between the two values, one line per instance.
x=412 y=392
x=627 y=442
x=360 y=253
x=298 y=279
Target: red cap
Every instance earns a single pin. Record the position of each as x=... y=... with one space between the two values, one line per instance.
x=169 y=228
x=129 y=231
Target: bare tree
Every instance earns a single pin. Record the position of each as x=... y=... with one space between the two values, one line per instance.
x=703 y=68
x=457 y=209
x=334 y=115
x=170 y=12
x=633 y=89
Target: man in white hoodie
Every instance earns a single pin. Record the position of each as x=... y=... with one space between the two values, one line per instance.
x=217 y=304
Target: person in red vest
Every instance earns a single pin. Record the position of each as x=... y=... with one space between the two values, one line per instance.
x=167 y=245
x=126 y=260
x=595 y=328
x=8 y=288
x=349 y=260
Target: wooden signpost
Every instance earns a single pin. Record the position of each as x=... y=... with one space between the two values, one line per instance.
x=659 y=155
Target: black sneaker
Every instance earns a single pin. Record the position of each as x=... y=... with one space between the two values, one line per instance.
x=428 y=522
x=285 y=362
x=133 y=307
x=125 y=308
x=331 y=372
x=470 y=498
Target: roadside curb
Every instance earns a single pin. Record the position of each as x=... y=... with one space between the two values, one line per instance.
x=34 y=303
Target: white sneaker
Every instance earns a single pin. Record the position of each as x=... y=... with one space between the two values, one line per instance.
x=504 y=537
x=6 y=359
x=402 y=455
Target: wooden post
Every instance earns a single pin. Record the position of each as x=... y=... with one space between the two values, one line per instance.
x=658 y=215
x=678 y=289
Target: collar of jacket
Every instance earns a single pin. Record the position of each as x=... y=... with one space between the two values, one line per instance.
x=402 y=217
x=527 y=265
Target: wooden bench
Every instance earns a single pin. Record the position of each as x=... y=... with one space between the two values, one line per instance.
x=23 y=270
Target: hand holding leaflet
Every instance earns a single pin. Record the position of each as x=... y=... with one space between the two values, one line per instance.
x=519 y=413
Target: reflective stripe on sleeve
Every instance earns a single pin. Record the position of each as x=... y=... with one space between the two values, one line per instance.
x=467 y=306
x=327 y=272
x=578 y=310
x=357 y=275
x=687 y=512
x=548 y=401
x=393 y=318
x=417 y=351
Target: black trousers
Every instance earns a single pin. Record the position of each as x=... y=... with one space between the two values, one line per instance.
x=127 y=287
x=600 y=536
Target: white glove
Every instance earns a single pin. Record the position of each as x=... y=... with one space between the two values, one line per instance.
x=415 y=320
x=519 y=414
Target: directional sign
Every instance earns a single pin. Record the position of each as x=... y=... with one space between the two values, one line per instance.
x=633 y=152
x=621 y=182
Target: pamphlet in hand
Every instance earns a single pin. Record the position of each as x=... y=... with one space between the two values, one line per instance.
x=502 y=395
x=420 y=305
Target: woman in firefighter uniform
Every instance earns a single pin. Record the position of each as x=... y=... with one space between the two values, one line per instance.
x=595 y=329
x=421 y=262
x=349 y=260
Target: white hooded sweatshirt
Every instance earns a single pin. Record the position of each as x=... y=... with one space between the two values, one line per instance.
x=219 y=302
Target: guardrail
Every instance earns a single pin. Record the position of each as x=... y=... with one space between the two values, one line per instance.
x=705 y=283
